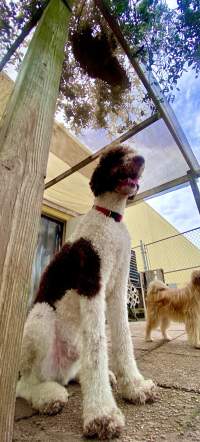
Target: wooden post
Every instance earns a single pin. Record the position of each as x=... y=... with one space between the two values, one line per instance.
x=25 y=137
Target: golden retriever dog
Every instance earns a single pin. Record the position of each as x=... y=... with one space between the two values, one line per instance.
x=165 y=304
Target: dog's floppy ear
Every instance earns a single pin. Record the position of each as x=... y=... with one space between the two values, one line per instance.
x=196 y=278
x=97 y=180
x=101 y=180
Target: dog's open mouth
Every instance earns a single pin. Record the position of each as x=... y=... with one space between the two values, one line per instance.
x=132 y=182
x=128 y=186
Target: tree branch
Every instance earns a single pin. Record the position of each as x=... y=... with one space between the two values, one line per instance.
x=25 y=31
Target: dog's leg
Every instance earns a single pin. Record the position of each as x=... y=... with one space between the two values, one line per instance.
x=36 y=383
x=193 y=331
x=163 y=326
x=131 y=383
x=148 y=330
x=101 y=415
x=151 y=324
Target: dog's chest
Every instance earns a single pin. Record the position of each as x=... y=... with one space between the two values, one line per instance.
x=115 y=253
x=119 y=236
x=110 y=240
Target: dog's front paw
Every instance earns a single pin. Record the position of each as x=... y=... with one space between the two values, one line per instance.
x=148 y=339
x=167 y=338
x=51 y=408
x=105 y=426
x=140 y=392
x=49 y=398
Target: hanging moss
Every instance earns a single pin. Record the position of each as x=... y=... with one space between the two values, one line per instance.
x=95 y=54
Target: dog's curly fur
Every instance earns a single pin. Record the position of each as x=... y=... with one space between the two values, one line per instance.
x=64 y=334
x=165 y=304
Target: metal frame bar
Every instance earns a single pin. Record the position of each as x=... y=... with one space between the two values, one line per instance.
x=159 y=189
x=195 y=189
x=181 y=270
x=133 y=131
x=171 y=236
x=153 y=89
x=143 y=295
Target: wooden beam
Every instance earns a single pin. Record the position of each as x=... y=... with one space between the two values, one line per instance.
x=152 y=86
x=131 y=132
x=25 y=138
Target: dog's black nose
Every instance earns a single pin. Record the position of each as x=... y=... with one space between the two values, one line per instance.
x=139 y=160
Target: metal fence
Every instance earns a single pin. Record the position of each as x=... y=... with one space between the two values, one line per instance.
x=176 y=255
x=172 y=258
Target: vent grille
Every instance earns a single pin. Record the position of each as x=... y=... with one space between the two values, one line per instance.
x=134 y=274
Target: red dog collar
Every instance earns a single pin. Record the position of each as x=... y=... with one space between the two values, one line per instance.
x=116 y=216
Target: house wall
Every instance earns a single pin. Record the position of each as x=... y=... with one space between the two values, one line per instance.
x=172 y=255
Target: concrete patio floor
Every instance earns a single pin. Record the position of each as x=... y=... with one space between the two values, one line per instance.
x=175 y=416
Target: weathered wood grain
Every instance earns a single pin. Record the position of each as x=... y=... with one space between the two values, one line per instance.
x=24 y=146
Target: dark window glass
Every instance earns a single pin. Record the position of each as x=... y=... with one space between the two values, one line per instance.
x=49 y=242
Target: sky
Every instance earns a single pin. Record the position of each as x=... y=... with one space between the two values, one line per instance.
x=178 y=206
x=172 y=3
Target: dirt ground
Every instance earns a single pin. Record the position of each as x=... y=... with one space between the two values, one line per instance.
x=175 y=416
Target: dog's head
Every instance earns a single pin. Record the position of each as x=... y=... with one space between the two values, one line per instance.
x=195 y=279
x=118 y=171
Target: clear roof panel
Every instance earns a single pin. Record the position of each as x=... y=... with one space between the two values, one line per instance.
x=164 y=161
x=186 y=106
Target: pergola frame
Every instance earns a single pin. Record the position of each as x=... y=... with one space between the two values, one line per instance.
x=23 y=162
x=133 y=131
x=164 y=111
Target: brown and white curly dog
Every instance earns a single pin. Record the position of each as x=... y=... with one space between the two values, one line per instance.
x=65 y=334
x=180 y=305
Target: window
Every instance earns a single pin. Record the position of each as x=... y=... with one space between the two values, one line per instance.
x=49 y=242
